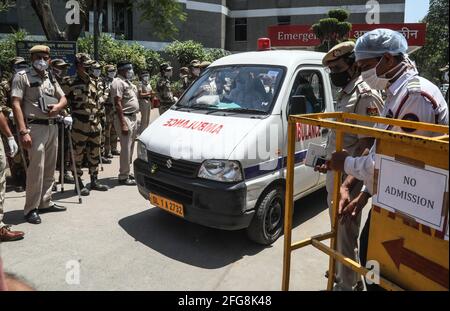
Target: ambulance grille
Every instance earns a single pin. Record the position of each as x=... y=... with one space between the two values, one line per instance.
x=172 y=166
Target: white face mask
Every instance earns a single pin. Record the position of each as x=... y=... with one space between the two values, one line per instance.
x=112 y=74
x=40 y=64
x=130 y=74
x=20 y=68
x=380 y=83
x=145 y=78
x=168 y=74
x=96 y=72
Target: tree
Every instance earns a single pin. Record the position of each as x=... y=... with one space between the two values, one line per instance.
x=434 y=55
x=185 y=52
x=332 y=29
x=8 y=47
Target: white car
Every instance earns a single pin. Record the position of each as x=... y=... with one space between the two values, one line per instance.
x=218 y=156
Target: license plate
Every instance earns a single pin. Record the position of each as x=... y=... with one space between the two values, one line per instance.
x=167 y=205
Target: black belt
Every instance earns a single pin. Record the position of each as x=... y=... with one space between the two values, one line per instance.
x=42 y=121
x=129 y=114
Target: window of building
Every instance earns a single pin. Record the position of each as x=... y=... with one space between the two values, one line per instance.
x=9 y=21
x=284 y=20
x=240 y=29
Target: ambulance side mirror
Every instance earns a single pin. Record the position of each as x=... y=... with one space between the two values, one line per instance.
x=297 y=105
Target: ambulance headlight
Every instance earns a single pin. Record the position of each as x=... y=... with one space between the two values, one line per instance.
x=221 y=170
x=142 y=151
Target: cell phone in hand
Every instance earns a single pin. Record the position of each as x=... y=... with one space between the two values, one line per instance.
x=319 y=161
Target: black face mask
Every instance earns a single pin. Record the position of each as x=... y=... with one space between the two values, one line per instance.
x=340 y=79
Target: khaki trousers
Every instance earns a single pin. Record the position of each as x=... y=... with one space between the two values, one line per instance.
x=126 y=144
x=2 y=181
x=145 y=107
x=41 y=170
x=347 y=238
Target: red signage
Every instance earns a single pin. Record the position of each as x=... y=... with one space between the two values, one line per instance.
x=302 y=35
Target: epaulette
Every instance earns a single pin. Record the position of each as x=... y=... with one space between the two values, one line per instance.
x=414 y=86
x=363 y=89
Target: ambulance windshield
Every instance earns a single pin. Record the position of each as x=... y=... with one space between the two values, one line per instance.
x=243 y=89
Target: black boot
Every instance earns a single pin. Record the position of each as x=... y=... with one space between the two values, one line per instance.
x=95 y=185
x=84 y=191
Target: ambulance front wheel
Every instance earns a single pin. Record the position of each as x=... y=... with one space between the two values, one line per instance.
x=267 y=223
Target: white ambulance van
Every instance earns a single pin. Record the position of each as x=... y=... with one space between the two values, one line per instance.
x=218 y=156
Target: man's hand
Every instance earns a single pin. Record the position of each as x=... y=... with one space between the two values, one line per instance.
x=125 y=130
x=54 y=111
x=352 y=210
x=13 y=148
x=324 y=168
x=26 y=141
x=338 y=160
x=344 y=199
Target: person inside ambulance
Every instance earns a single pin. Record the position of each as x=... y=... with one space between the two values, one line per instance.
x=249 y=91
x=381 y=55
x=303 y=88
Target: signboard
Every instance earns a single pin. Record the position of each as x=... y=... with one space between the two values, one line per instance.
x=58 y=49
x=418 y=193
x=303 y=36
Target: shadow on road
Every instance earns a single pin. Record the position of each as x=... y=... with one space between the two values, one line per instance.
x=201 y=246
x=14 y=218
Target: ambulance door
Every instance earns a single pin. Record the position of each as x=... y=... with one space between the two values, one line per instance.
x=308 y=83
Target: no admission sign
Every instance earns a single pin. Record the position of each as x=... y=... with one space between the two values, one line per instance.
x=303 y=36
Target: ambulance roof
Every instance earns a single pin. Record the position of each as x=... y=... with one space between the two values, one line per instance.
x=287 y=58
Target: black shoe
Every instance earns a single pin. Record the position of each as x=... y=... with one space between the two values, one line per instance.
x=131 y=176
x=33 y=217
x=68 y=179
x=106 y=160
x=84 y=190
x=19 y=189
x=109 y=155
x=127 y=182
x=115 y=152
x=52 y=209
x=95 y=185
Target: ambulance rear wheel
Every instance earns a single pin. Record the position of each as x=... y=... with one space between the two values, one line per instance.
x=267 y=223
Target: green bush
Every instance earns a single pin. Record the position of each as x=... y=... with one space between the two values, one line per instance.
x=185 y=52
x=214 y=54
x=339 y=14
x=8 y=48
x=111 y=51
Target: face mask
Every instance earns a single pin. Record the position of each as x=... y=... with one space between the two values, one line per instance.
x=96 y=72
x=40 y=64
x=145 y=78
x=196 y=71
x=340 y=79
x=130 y=74
x=168 y=74
x=380 y=83
x=20 y=68
x=111 y=75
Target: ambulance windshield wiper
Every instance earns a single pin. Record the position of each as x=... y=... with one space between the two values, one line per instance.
x=243 y=110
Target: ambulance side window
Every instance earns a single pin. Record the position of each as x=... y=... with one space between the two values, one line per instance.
x=309 y=83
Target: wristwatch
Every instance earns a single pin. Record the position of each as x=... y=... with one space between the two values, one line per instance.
x=25 y=132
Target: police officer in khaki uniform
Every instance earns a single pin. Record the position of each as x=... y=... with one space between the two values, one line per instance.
x=357 y=97
x=37 y=101
x=6 y=234
x=164 y=88
x=125 y=122
x=184 y=80
x=111 y=138
x=145 y=94
x=194 y=71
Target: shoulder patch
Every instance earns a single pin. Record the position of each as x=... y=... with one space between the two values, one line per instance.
x=363 y=88
x=414 y=86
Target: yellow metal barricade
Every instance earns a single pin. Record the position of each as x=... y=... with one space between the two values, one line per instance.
x=412 y=254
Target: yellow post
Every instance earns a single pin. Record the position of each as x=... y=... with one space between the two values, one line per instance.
x=334 y=213
x=289 y=203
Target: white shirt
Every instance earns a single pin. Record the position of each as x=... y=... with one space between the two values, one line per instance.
x=415 y=108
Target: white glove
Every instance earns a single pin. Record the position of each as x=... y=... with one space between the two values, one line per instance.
x=175 y=98
x=11 y=116
x=68 y=121
x=13 y=148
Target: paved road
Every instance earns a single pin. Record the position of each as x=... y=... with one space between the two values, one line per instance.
x=123 y=243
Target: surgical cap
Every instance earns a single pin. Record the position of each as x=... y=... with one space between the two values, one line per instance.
x=377 y=42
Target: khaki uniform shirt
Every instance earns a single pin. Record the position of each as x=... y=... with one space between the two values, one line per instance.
x=357 y=97
x=124 y=89
x=144 y=87
x=29 y=86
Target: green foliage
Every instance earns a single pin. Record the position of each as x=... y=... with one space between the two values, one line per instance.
x=6 y=4
x=212 y=55
x=332 y=30
x=434 y=55
x=340 y=14
x=186 y=51
x=163 y=15
x=112 y=51
x=8 y=47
